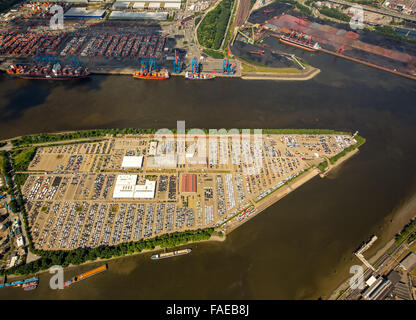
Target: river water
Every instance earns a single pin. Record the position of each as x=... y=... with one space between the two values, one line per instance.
x=301 y=247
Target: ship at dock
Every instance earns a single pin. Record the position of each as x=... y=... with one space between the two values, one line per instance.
x=47 y=72
x=151 y=75
x=170 y=254
x=148 y=70
x=28 y=284
x=86 y=275
x=198 y=76
x=301 y=41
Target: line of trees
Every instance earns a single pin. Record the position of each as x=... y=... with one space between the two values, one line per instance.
x=52 y=137
x=212 y=29
x=334 y=13
x=406 y=231
x=77 y=256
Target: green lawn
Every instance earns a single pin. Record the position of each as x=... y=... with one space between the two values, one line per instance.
x=247 y=68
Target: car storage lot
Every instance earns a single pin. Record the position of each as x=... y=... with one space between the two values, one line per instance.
x=70 y=190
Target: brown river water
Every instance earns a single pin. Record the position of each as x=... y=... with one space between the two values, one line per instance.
x=301 y=247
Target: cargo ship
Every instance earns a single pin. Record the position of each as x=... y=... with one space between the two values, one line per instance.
x=151 y=75
x=297 y=42
x=28 y=284
x=47 y=72
x=170 y=254
x=198 y=76
x=86 y=275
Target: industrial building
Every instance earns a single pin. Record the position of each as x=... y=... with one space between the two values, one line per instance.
x=409 y=262
x=20 y=241
x=132 y=162
x=152 y=148
x=126 y=187
x=189 y=183
x=151 y=4
x=121 y=15
x=76 y=12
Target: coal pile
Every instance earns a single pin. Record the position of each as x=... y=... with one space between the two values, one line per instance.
x=268 y=12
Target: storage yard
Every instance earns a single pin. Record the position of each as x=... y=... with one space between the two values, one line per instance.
x=360 y=46
x=115 y=37
x=105 y=37
x=83 y=195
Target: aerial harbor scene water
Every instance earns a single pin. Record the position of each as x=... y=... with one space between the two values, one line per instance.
x=288 y=171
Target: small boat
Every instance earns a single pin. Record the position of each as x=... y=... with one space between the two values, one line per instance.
x=198 y=76
x=28 y=288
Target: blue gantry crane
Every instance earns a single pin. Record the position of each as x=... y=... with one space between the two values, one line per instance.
x=195 y=65
x=227 y=67
x=176 y=64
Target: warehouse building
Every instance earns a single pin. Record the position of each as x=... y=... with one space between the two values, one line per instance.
x=152 y=4
x=121 y=15
x=132 y=162
x=84 y=13
x=126 y=187
x=189 y=183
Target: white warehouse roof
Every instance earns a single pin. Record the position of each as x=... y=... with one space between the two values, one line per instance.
x=173 y=4
x=83 y=13
x=145 y=191
x=121 y=5
x=132 y=162
x=139 y=15
x=126 y=187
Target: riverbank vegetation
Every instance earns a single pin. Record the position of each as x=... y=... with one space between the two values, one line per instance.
x=56 y=137
x=360 y=141
x=65 y=258
x=211 y=30
x=408 y=230
x=21 y=158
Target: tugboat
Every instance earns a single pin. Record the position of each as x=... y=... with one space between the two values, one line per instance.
x=47 y=72
x=198 y=76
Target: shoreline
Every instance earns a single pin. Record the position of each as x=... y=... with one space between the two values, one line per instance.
x=213 y=238
x=284 y=190
x=400 y=216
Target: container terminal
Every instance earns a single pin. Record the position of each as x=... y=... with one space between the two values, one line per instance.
x=113 y=38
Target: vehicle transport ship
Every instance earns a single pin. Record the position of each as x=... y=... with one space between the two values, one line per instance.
x=198 y=76
x=47 y=72
x=300 y=42
x=170 y=254
x=151 y=75
x=86 y=275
